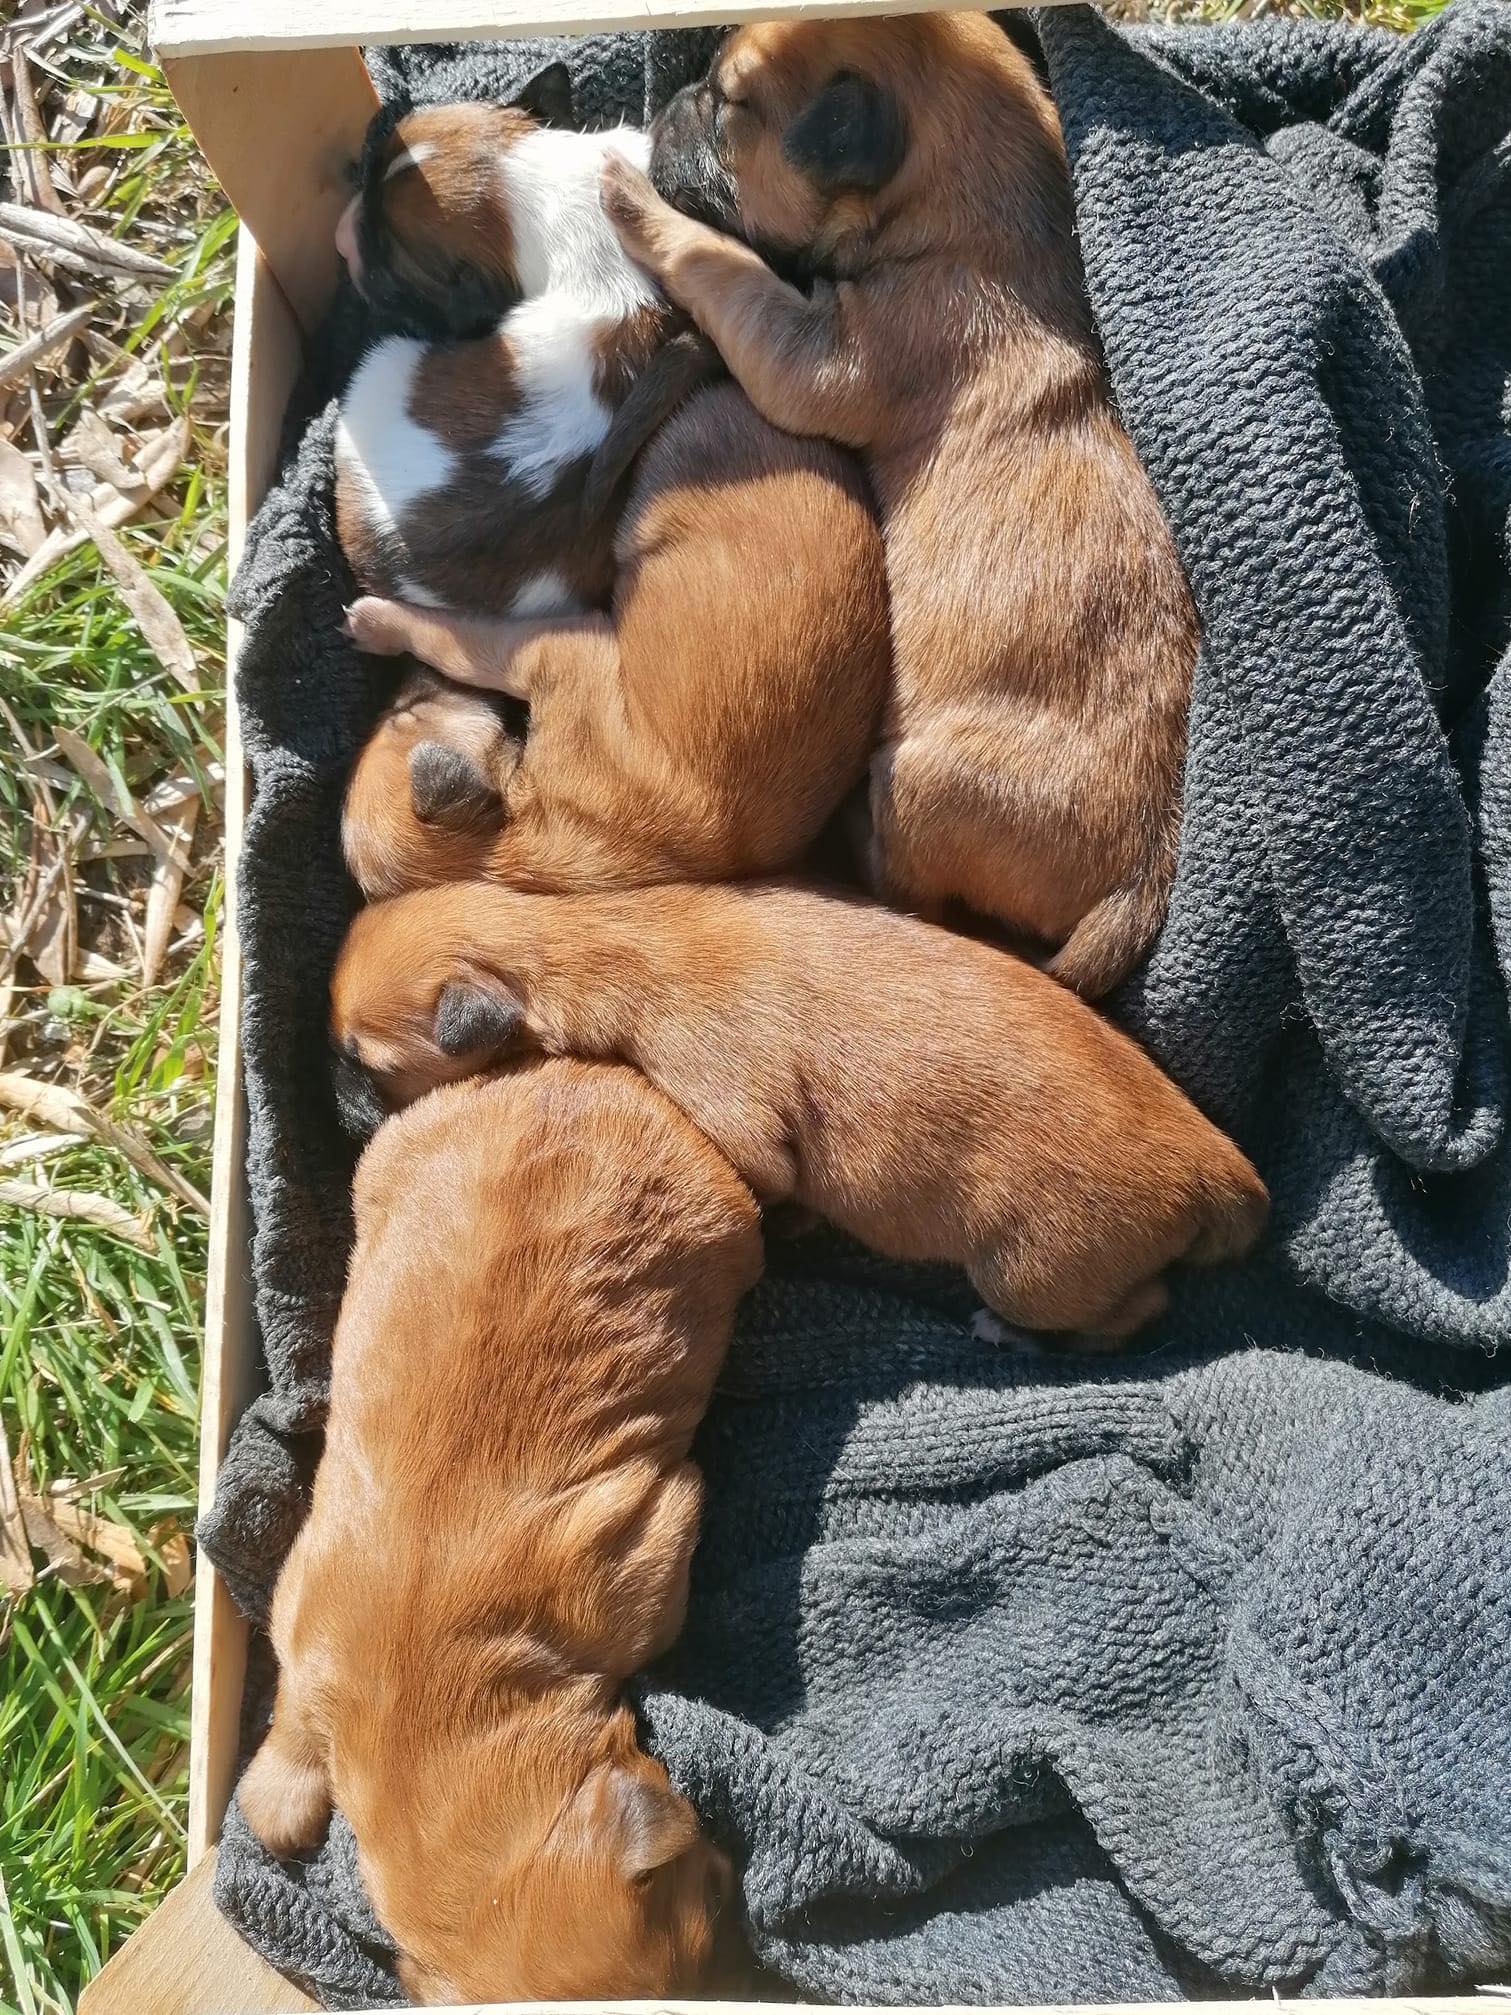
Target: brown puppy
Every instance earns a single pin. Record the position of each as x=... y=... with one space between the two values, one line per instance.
x=545 y=1274
x=1043 y=634
x=706 y=726
x=426 y=798
x=931 y=1095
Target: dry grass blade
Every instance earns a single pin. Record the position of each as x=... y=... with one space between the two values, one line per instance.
x=167 y=886
x=29 y=119
x=84 y=1207
x=15 y=364
x=110 y=792
x=158 y=463
x=65 y=1111
x=22 y=525
x=79 y=247
x=155 y=618
x=16 y=1571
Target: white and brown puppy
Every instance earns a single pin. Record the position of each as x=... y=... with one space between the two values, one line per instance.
x=545 y=1274
x=1044 y=637
x=933 y=1096
x=463 y=468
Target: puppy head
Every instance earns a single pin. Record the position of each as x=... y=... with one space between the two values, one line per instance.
x=426 y=796
x=557 y=1864
x=411 y=1010
x=429 y=232
x=809 y=139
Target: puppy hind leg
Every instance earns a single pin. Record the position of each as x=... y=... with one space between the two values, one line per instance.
x=500 y=654
x=285 y=1794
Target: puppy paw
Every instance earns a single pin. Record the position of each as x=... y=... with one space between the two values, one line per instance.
x=631 y=206
x=376 y=626
x=989 y=1328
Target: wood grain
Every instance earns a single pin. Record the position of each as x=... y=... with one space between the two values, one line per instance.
x=205 y=27
x=186 y=1960
x=281 y=132
x=265 y=363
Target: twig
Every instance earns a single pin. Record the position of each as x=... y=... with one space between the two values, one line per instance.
x=77 y=245
x=16 y=363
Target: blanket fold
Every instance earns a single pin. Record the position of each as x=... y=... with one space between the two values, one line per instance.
x=1022 y=1678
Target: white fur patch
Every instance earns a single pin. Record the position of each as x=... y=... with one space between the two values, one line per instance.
x=409 y=157
x=545 y=594
x=576 y=279
x=394 y=460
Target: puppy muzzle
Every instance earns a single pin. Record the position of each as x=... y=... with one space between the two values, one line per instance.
x=685 y=167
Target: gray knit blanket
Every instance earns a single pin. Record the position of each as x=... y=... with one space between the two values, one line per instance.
x=1020 y=1678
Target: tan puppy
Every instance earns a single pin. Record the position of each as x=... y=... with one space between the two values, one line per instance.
x=1044 y=637
x=545 y=1274
x=705 y=727
x=931 y=1095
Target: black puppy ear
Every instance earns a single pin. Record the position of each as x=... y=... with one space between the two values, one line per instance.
x=548 y=96
x=359 y=1107
x=448 y=789
x=852 y=136
x=473 y=1018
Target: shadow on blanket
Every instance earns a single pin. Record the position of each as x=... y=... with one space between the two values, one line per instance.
x=1019 y=1680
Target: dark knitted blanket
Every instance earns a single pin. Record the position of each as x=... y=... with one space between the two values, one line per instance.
x=1013 y=1678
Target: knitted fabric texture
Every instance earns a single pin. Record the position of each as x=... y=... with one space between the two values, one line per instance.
x=1019 y=1678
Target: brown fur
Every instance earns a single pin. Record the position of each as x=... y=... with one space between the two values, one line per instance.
x=931 y=1095
x=713 y=720
x=545 y=1274
x=1044 y=637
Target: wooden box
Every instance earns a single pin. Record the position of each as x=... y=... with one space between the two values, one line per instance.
x=278 y=98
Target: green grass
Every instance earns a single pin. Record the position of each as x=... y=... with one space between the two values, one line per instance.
x=100 y=1340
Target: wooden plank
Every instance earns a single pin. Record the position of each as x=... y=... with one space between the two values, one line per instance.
x=206 y=27
x=186 y=1960
x=265 y=363
x=281 y=133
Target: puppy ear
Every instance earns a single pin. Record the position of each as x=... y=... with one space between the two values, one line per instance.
x=449 y=790
x=852 y=136
x=630 y=1811
x=548 y=96
x=359 y=1107
x=471 y=1018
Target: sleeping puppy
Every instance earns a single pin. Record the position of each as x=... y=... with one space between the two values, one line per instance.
x=705 y=726
x=486 y=474
x=1044 y=636
x=499 y=1536
x=929 y=1094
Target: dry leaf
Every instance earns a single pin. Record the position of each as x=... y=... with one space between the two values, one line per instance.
x=82 y=1206
x=54 y=1105
x=63 y=1557
x=172 y=790
x=173 y=1550
x=30 y=1147
x=156 y=463
x=113 y=795
x=103 y=1536
x=22 y=526
x=146 y=601
x=93 y=446
x=49 y=930
x=162 y=897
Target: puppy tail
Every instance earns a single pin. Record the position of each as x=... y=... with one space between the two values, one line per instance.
x=1113 y=936
x=674 y=373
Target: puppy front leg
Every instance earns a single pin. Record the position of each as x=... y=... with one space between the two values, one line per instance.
x=499 y=653
x=789 y=351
